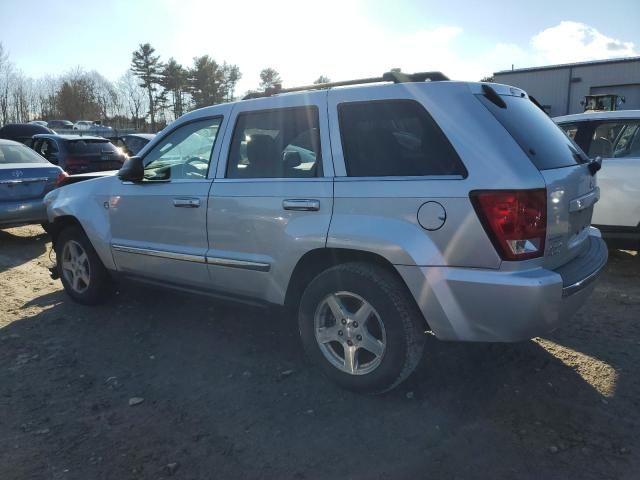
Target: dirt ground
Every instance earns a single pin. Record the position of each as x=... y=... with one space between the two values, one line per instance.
x=216 y=403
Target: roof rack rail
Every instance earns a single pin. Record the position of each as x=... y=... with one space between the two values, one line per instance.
x=392 y=76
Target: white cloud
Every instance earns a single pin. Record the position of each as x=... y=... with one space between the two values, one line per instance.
x=340 y=40
x=304 y=41
x=574 y=42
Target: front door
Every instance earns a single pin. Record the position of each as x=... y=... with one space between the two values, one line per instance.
x=159 y=226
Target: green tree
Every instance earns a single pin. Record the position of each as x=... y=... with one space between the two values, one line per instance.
x=205 y=81
x=269 y=77
x=489 y=79
x=231 y=74
x=321 y=79
x=147 y=67
x=174 y=79
x=211 y=83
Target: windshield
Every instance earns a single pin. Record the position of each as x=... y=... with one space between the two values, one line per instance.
x=19 y=154
x=543 y=141
x=91 y=146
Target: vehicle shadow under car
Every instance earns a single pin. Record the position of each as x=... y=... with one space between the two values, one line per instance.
x=226 y=389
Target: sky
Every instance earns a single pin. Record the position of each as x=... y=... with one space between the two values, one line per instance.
x=341 y=39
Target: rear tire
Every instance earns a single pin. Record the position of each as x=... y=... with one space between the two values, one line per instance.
x=83 y=275
x=361 y=327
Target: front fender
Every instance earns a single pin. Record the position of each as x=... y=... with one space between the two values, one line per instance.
x=86 y=202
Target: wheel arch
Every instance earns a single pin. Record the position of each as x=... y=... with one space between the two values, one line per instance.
x=316 y=261
x=60 y=223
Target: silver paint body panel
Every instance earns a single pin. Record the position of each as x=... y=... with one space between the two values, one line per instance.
x=247 y=236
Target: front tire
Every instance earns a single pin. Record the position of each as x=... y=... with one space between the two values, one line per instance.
x=361 y=326
x=83 y=275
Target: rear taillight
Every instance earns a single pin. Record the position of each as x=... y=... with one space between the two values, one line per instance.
x=74 y=162
x=515 y=220
x=62 y=176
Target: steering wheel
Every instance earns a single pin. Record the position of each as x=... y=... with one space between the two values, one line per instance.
x=188 y=168
x=193 y=159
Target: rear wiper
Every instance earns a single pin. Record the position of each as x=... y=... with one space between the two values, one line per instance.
x=537 y=104
x=493 y=96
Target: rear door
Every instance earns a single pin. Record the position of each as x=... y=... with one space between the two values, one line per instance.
x=272 y=199
x=571 y=189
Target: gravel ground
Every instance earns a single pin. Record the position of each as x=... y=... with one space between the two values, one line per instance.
x=166 y=385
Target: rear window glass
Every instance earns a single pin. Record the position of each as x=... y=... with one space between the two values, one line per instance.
x=542 y=140
x=91 y=146
x=19 y=154
x=394 y=138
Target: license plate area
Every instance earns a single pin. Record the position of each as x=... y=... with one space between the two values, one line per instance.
x=579 y=223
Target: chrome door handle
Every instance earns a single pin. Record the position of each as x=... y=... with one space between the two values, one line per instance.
x=301 y=205
x=186 y=202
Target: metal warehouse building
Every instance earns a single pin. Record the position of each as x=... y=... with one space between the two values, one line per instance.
x=561 y=88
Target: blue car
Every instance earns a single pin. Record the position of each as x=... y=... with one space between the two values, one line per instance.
x=25 y=178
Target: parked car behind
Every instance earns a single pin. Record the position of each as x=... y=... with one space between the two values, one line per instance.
x=25 y=178
x=22 y=132
x=60 y=124
x=615 y=137
x=42 y=123
x=132 y=143
x=89 y=125
x=83 y=125
x=78 y=154
x=372 y=212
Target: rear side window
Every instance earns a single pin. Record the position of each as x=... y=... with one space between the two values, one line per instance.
x=79 y=147
x=279 y=143
x=394 y=138
x=542 y=140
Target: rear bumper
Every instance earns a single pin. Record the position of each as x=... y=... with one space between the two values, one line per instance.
x=497 y=306
x=25 y=212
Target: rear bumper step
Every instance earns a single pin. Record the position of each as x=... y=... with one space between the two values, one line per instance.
x=585 y=268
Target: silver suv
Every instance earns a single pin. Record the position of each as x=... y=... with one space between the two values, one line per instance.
x=374 y=212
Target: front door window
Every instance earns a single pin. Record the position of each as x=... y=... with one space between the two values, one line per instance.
x=185 y=154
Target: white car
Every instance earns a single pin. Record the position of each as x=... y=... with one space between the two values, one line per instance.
x=615 y=137
x=83 y=125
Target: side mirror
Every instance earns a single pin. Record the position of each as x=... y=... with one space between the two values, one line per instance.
x=291 y=160
x=595 y=165
x=132 y=170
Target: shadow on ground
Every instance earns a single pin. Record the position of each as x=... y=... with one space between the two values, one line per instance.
x=16 y=248
x=216 y=401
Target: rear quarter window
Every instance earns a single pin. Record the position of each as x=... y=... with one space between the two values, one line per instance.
x=394 y=138
x=546 y=145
